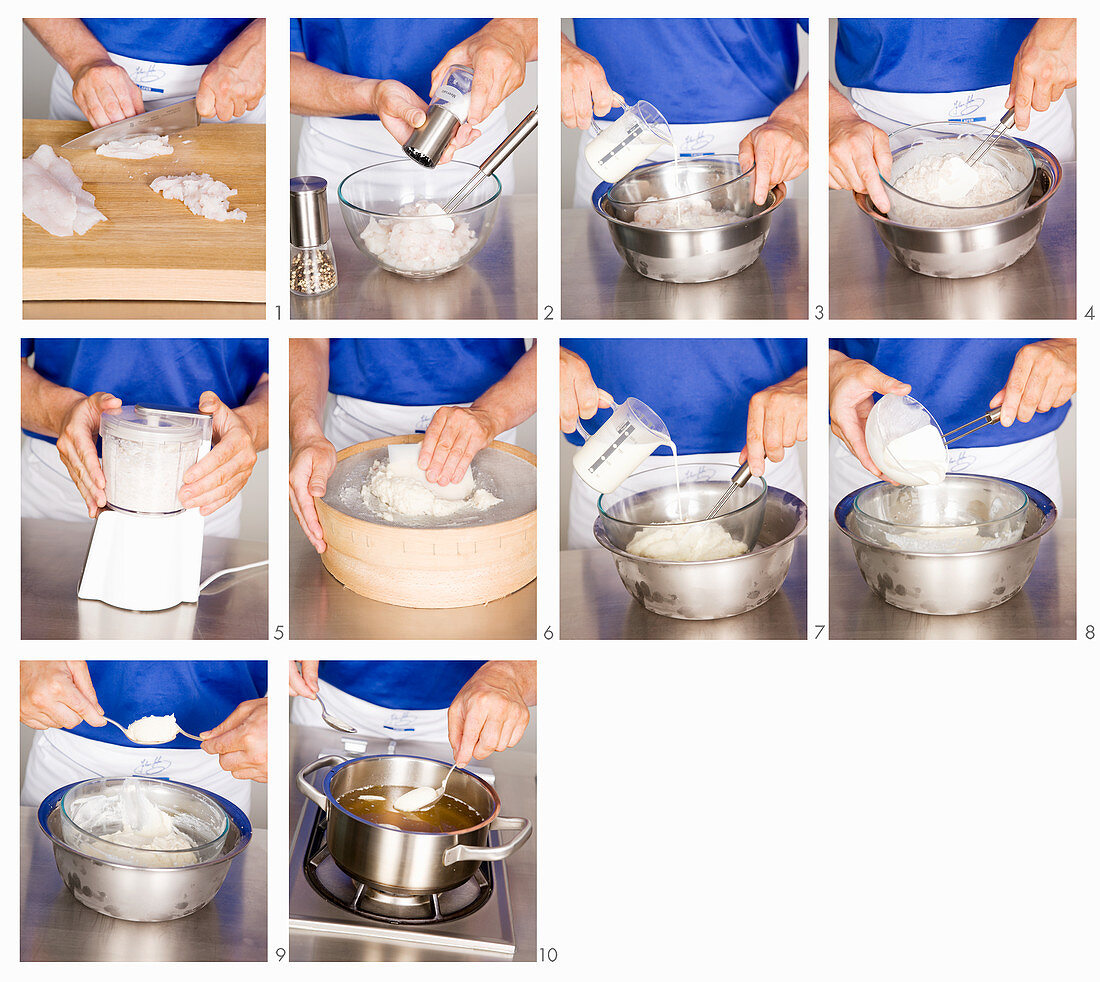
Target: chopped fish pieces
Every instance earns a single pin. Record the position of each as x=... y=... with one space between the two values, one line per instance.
x=136 y=147
x=54 y=197
x=202 y=194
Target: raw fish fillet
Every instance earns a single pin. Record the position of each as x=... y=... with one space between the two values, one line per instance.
x=202 y=194
x=54 y=197
x=136 y=148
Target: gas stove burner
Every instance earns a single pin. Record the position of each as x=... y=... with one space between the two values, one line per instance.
x=369 y=902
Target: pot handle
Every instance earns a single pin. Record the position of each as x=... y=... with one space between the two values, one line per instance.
x=308 y=789
x=461 y=853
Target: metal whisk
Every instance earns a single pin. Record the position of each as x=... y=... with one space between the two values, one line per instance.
x=1008 y=120
x=738 y=481
x=497 y=157
x=990 y=417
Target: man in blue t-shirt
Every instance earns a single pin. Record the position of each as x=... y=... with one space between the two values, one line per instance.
x=109 y=69
x=73 y=381
x=957 y=380
x=725 y=85
x=461 y=393
x=478 y=707
x=722 y=401
x=906 y=71
x=68 y=704
x=363 y=84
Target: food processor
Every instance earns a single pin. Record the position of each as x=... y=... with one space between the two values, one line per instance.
x=146 y=548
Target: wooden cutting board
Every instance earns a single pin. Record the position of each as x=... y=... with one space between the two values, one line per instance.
x=149 y=248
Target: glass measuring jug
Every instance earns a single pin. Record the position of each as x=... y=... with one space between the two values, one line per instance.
x=611 y=454
x=623 y=144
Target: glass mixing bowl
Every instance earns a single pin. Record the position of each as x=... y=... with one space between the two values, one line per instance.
x=688 y=183
x=417 y=246
x=95 y=809
x=912 y=144
x=649 y=498
x=963 y=514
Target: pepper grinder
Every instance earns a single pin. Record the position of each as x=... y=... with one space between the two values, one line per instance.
x=446 y=113
x=312 y=260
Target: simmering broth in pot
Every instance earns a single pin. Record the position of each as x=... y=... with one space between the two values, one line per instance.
x=375 y=804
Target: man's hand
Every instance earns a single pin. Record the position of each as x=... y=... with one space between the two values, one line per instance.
x=76 y=445
x=235 y=81
x=578 y=395
x=303 y=682
x=401 y=111
x=584 y=89
x=57 y=694
x=858 y=152
x=780 y=147
x=240 y=743
x=1043 y=377
x=1045 y=66
x=852 y=386
x=453 y=438
x=105 y=94
x=498 y=55
x=218 y=477
x=311 y=465
x=777 y=420
x=490 y=711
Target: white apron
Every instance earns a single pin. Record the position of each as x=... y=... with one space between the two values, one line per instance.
x=372 y=722
x=1031 y=462
x=161 y=84
x=892 y=111
x=334 y=148
x=787 y=474
x=691 y=139
x=59 y=757
x=349 y=421
x=47 y=491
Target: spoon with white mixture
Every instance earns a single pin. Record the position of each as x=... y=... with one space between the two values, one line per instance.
x=334 y=721
x=151 y=731
x=417 y=799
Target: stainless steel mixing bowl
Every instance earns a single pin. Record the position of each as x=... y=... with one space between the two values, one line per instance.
x=142 y=894
x=975 y=250
x=651 y=498
x=958 y=583
x=710 y=589
x=715 y=179
x=962 y=514
x=689 y=255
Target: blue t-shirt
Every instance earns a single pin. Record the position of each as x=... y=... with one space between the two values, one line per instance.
x=163 y=371
x=406 y=685
x=701 y=388
x=381 y=47
x=928 y=54
x=419 y=371
x=696 y=70
x=954 y=379
x=171 y=40
x=202 y=694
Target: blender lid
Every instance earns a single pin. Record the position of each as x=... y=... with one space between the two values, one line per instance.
x=146 y=421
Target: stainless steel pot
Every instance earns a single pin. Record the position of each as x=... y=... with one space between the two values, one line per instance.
x=142 y=893
x=946 y=583
x=408 y=864
x=714 y=588
x=974 y=250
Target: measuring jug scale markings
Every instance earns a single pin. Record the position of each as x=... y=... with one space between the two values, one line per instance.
x=627 y=141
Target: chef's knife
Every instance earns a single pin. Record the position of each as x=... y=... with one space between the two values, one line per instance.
x=157 y=122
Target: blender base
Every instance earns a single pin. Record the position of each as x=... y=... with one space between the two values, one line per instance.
x=144 y=562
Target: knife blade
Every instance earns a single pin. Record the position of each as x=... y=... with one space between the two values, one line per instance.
x=157 y=122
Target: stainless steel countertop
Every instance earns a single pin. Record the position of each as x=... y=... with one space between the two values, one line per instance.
x=499 y=283
x=1045 y=609
x=515 y=783
x=231 y=608
x=596 y=606
x=597 y=283
x=865 y=281
x=321 y=608
x=55 y=927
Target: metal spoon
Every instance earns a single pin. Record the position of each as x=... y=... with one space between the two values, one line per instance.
x=179 y=732
x=738 y=481
x=333 y=721
x=410 y=800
